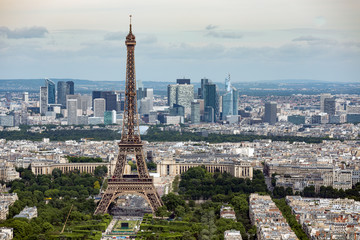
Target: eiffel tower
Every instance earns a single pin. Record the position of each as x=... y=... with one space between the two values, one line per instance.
x=130 y=143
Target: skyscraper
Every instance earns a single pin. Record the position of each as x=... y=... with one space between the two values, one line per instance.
x=204 y=81
x=270 y=112
x=330 y=106
x=112 y=99
x=70 y=87
x=25 y=96
x=50 y=91
x=195 y=112
x=99 y=107
x=181 y=94
x=72 y=111
x=322 y=99
x=183 y=81
x=147 y=93
x=211 y=102
x=43 y=100
x=229 y=100
x=63 y=89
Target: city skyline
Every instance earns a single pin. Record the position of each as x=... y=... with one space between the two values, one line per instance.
x=279 y=40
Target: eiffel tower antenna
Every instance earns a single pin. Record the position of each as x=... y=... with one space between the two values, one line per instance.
x=130 y=143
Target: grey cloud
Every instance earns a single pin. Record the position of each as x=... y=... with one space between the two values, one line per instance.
x=231 y=35
x=221 y=34
x=115 y=36
x=27 y=32
x=211 y=27
x=315 y=40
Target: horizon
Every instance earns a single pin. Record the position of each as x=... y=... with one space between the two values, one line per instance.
x=280 y=41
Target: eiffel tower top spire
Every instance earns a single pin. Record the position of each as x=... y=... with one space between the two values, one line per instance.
x=130 y=38
x=130 y=131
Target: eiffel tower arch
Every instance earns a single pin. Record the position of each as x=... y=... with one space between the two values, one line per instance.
x=130 y=144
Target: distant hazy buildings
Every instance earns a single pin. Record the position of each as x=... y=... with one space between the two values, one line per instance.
x=330 y=106
x=270 y=112
x=323 y=96
x=145 y=100
x=25 y=97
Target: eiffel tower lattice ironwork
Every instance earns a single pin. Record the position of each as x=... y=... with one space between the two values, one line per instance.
x=130 y=143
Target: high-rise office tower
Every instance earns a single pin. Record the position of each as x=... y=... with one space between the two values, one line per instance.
x=43 y=100
x=322 y=99
x=183 y=81
x=144 y=106
x=270 y=112
x=229 y=100
x=70 y=86
x=204 y=81
x=72 y=111
x=61 y=93
x=181 y=94
x=99 y=107
x=211 y=101
x=195 y=112
x=50 y=91
x=227 y=105
x=235 y=101
x=109 y=117
x=330 y=106
x=63 y=89
x=112 y=99
x=177 y=110
x=171 y=94
x=25 y=96
x=75 y=96
x=149 y=93
x=146 y=93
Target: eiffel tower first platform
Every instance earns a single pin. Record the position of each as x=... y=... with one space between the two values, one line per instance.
x=130 y=144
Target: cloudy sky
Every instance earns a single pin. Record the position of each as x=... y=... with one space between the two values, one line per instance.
x=250 y=39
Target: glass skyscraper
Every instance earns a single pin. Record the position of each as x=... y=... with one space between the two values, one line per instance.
x=229 y=100
x=64 y=88
x=211 y=102
x=50 y=85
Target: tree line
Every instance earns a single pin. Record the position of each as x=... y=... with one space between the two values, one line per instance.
x=154 y=134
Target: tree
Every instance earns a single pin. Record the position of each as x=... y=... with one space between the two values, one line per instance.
x=97 y=185
x=162 y=212
x=179 y=211
x=171 y=201
x=100 y=171
x=56 y=173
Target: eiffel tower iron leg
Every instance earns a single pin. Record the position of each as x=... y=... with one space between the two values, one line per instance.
x=140 y=162
x=104 y=203
x=120 y=164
